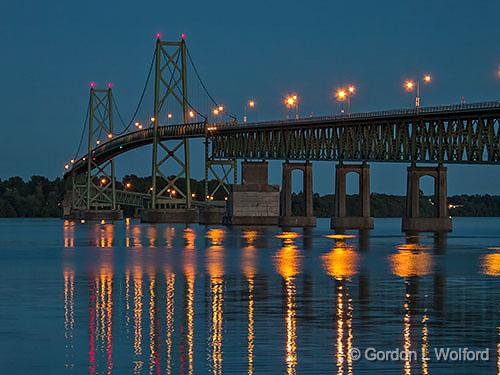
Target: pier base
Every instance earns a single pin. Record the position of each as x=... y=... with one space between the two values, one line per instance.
x=95 y=215
x=351 y=222
x=286 y=218
x=427 y=224
x=212 y=215
x=170 y=215
x=341 y=220
x=254 y=202
x=413 y=221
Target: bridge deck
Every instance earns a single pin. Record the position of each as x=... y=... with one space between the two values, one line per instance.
x=467 y=133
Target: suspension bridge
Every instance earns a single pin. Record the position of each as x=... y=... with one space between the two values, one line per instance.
x=432 y=137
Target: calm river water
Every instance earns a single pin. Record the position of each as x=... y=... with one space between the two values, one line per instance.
x=135 y=298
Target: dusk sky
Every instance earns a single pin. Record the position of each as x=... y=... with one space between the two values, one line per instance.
x=51 y=50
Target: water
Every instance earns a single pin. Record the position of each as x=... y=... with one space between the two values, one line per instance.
x=137 y=298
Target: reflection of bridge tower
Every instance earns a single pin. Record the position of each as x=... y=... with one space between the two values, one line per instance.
x=94 y=192
x=170 y=94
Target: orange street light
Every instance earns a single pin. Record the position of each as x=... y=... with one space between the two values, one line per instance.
x=292 y=101
x=250 y=105
x=411 y=85
x=128 y=185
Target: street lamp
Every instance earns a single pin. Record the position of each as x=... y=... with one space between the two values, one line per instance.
x=250 y=105
x=292 y=101
x=411 y=85
x=345 y=94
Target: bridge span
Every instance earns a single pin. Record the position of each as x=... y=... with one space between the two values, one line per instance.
x=434 y=136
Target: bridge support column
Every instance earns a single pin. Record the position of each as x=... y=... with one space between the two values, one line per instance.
x=254 y=201
x=287 y=219
x=413 y=222
x=341 y=220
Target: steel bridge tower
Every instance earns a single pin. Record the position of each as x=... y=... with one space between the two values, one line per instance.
x=170 y=85
x=96 y=188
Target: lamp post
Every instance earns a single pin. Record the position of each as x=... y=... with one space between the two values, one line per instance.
x=292 y=101
x=249 y=105
x=411 y=85
x=345 y=94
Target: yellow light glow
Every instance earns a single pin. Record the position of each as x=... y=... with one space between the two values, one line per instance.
x=341 y=95
x=103 y=181
x=110 y=135
x=351 y=89
x=98 y=142
x=427 y=78
x=128 y=185
x=215 y=111
x=221 y=108
x=193 y=195
x=170 y=115
x=191 y=114
x=291 y=101
x=251 y=104
x=66 y=166
x=409 y=85
x=153 y=119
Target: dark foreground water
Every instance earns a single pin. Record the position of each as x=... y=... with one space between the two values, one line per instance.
x=134 y=298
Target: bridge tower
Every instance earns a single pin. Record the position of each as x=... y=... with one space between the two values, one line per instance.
x=94 y=192
x=171 y=199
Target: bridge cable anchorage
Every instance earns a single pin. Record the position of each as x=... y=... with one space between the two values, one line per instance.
x=203 y=84
x=139 y=104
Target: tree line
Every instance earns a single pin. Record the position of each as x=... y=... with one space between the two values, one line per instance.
x=41 y=197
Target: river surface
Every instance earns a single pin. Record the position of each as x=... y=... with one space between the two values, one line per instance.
x=135 y=298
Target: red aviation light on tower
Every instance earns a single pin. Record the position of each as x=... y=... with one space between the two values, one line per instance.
x=158 y=35
x=92 y=85
x=110 y=85
x=183 y=36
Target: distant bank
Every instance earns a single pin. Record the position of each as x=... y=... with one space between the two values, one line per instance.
x=41 y=197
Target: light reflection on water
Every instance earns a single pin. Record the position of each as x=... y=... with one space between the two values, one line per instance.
x=174 y=299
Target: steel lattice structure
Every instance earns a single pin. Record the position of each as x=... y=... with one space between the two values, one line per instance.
x=170 y=87
x=96 y=187
x=462 y=134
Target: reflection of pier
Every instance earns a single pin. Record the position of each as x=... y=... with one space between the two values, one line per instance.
x=215 y=268
x=288 y=262
x=342 y=263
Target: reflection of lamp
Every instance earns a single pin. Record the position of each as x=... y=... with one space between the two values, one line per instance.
x=411 y=260
x=490 y=263
x=341 y=262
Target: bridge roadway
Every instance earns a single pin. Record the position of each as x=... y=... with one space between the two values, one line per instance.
x=455 y=134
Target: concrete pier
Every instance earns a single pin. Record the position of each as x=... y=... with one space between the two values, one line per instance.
x=212 y=215
x=286 y=217
x=95 y=215
x=170 y=215
x=254 y=201
x=441 y=221
x=341 y=220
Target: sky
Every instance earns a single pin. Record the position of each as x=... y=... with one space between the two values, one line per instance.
x=51 y=50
